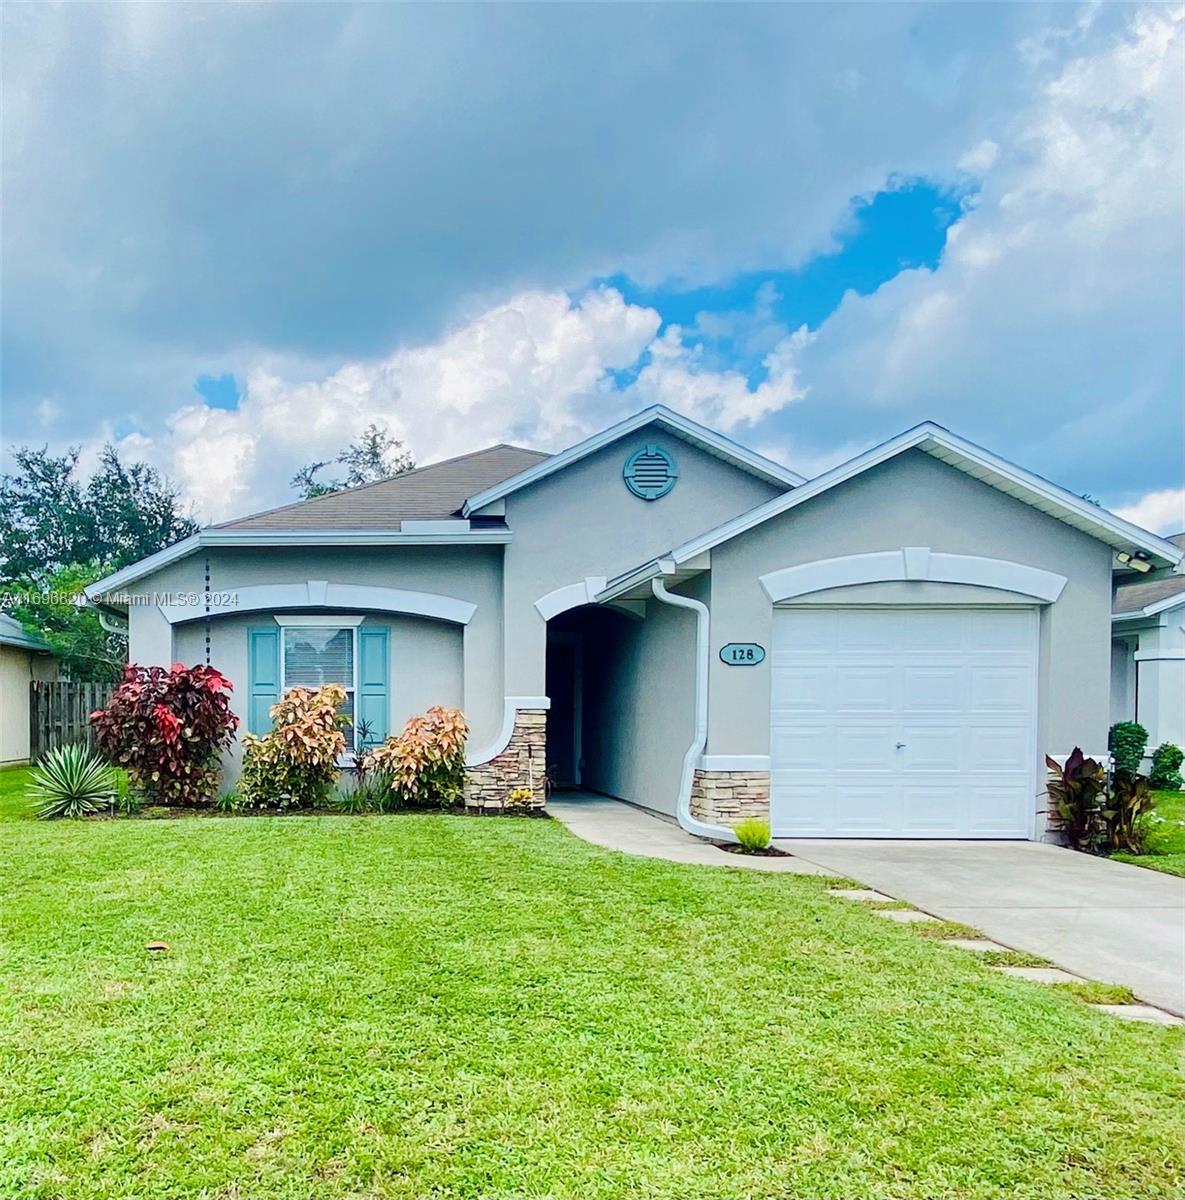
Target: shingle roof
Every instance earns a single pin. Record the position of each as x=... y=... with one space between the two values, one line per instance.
x=434 y=492
x=1135 y=597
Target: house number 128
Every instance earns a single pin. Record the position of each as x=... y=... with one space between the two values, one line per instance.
x=742 y=654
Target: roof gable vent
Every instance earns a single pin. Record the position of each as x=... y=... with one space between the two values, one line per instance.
x=650 y=472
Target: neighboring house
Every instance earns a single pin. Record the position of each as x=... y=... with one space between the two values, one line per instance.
x=664 y=616
x=23 y=658
x=1148 y=653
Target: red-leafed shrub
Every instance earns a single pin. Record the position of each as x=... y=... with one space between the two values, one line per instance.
x=167 y=726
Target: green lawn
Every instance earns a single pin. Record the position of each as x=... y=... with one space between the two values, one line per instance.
x=450 y=1007
x=1166 y=841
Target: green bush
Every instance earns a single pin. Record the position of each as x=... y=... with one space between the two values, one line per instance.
x=72 y=781
x=128 y=800
x=752 y=833
x=1166 y=767
x=228 y=801
x=1127 y=742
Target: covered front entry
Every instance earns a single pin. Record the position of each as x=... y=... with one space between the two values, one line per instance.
x=904 y=722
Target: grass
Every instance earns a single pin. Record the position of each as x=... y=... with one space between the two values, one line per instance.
x=1166 y=839
x=419 y=1006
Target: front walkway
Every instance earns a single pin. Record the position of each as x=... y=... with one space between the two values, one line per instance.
x=618 y=826
x=1097 y=918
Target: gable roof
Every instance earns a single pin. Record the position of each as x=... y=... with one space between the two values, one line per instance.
x=675 y=423
x=1147 y=597
x=13 y=633
x=956 y=452
x=434 y=492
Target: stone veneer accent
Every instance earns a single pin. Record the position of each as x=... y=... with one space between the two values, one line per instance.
x=522 y=761
x=726 y=797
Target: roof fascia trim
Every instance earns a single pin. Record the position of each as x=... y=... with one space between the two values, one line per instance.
x=290 y=537
x=692 y=431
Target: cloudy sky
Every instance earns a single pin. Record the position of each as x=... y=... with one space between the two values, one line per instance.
x=234 y=235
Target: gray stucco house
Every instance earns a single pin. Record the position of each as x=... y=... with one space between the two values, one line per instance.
x=1148 y=653
x=659 y=614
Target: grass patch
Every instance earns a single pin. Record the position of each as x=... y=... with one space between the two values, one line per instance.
x=1012 y=958
x=1090 y=991
x=944 y=930
x=402 y=1007
x=1165 y=849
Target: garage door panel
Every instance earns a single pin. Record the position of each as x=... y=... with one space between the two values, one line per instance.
x=802 y=804
x=804 y=747
x=930 y=810
x=932 y=689
x=864 y=748
x=1004 y=748
x=802 y=689
x=932 y=748
x=866 y=810
x=1001 y=689
x=997 y=809
x=865 y=689
x=903 y=722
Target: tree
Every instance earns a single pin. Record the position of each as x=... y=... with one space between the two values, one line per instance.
x=53 y=608
x=49 y=518
x=59 y=533
x=375 y=455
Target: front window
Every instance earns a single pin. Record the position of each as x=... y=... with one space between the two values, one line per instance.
x=319 y=654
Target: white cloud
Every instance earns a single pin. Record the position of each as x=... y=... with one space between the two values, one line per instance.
x=1161 y=512
x=536 y=368
x=1051 y=328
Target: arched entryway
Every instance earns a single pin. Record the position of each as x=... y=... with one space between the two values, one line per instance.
x=585 y=646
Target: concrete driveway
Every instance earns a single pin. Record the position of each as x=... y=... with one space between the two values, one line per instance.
x=1100 y=919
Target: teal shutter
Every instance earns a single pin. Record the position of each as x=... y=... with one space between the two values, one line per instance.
x=373 y=692
x=263 y=677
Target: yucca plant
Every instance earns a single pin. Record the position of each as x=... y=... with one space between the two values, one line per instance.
x=72 y=781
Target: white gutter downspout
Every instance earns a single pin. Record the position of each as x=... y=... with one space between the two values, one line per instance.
x=718 y=833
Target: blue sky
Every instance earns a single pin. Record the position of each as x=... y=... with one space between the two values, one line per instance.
x=234 y=234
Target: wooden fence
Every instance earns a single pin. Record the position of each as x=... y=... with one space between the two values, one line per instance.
x=59 y=713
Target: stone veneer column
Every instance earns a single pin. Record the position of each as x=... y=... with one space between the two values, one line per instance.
x=726 y=797
x=522 y=764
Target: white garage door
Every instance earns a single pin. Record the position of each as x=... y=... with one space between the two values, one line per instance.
x=912 y=723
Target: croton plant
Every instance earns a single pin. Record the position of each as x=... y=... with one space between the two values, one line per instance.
x=167 y=727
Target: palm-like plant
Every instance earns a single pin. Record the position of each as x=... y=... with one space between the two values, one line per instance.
x=72 y=781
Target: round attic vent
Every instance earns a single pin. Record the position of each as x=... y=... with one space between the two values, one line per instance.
x=650 y=472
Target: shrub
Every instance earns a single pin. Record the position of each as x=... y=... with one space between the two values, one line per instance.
x=295 y=764
x=1077 y=790
x=128 y=801
x=168 y=727
x=372 y=792
x=228 y=801
x=426 y=762
x=1127 y=741
x=519 y=799
x=72 y=782
x=752 y=833
x=1126 y=811
x=1166 y=767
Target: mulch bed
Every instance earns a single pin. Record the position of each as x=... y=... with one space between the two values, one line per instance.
x=736 y=848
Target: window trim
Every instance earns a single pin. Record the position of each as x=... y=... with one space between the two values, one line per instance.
x=327 y=621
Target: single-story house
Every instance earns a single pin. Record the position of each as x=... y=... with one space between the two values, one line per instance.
x=662 y=615
x=1148 y=654
x=23 y=658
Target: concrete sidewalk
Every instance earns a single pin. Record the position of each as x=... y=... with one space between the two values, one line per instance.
x=618 y=826
x=1099 y=919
